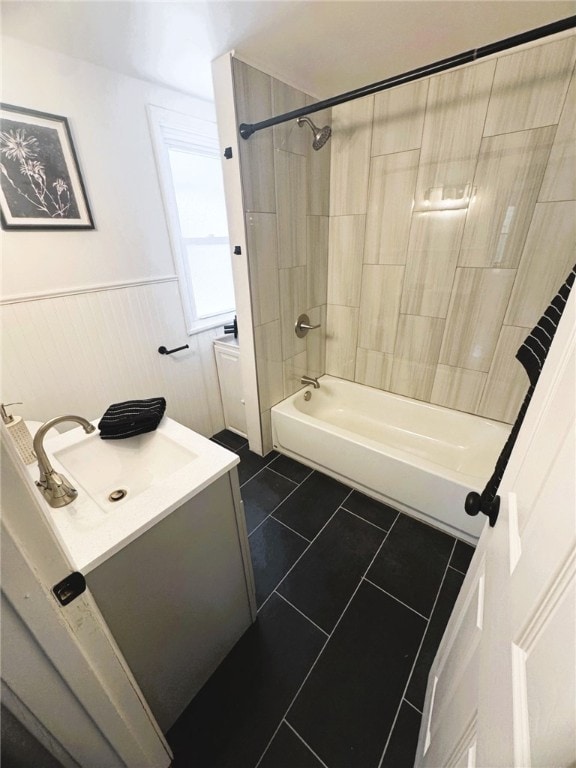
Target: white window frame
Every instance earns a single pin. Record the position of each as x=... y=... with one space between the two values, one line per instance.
x=175 y=130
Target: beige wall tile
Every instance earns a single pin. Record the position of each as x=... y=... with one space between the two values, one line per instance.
x=507 y=382
x=345 y=252
x=294 y=369
x=455 y=113
x=292 y=304
x=399 y=118
x=291 y=190
x=458 y=388
x=316 y=342
x=379 y=306
x=350 y=156
x=253 y=96
x=318 y=167
x=390 y=201
x=416 y=355
x=477 y=308
x=269 y=364
x=288 y=136
x=341 y=335
x=373 y=368
x=530 y=86
x=262 y=240
x=560 y=177
x=375 y=344
x=317 y=259
x=548 y=257
x=432 y=258
x=507 y=181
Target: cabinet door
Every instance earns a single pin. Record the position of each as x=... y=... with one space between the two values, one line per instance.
x=177 y=598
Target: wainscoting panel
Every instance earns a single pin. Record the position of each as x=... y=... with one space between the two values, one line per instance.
x=79 y=353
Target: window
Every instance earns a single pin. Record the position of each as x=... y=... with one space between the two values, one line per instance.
x=189 y=164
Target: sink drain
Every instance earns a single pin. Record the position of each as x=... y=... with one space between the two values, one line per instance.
x=118 y=495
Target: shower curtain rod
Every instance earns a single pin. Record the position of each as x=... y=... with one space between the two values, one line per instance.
x=247 y=129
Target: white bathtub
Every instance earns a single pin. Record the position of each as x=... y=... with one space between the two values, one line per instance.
x=419 y=458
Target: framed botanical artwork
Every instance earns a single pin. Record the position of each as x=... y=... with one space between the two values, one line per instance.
x=40 y=182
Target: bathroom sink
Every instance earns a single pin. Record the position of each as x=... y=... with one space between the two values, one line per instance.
x=126 y=486
x=114 y=471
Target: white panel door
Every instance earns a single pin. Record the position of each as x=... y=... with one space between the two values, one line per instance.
x=502 y=689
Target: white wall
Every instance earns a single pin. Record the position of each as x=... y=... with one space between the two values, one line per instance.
x=83 y=312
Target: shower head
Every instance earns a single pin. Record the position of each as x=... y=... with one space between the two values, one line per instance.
x=321 y=135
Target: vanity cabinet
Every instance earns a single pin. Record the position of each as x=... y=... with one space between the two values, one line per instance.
x=180 y=595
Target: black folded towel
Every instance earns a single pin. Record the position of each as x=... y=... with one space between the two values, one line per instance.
x=532 y=354
x=132 y=417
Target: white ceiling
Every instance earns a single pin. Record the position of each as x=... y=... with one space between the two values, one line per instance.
x=324 y=47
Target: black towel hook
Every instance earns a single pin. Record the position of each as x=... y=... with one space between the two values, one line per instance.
x=164 y=351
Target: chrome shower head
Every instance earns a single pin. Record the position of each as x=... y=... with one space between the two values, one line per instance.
x=321 y=135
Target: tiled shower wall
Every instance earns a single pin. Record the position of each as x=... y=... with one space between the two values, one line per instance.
x=286 y=189
x=434 y=305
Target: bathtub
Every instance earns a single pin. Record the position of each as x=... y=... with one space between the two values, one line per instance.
x=419 y=458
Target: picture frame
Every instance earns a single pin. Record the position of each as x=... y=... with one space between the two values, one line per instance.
x=40 y=182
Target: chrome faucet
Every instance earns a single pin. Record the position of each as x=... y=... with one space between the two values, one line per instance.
x=55 y=488
x=309 y=380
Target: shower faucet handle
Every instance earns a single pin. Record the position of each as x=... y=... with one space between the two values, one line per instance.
x=303 y=326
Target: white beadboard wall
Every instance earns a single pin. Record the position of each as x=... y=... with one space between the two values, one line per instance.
x=83 y=313
x=78 y=353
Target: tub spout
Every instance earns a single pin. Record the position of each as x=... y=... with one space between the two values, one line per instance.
x=310 y=380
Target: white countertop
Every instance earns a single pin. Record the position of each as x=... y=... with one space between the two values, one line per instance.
x=91 y=532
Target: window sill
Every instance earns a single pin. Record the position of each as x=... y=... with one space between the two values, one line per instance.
x=208 y=323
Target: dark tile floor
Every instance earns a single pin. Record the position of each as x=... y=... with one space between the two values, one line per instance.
x=353 y=598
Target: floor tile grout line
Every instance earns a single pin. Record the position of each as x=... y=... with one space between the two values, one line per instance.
x=283 y=719
x=304 y=742
x=360 y=582
x=416 y=656
x=301 y=535
x=364 y=519
x=327 y=639
x=462 y=573
x=389 y=594
x=411 y=705
x=265 y=601
x=301 y=613
x=309 y=545
x=277 y=505
x=267 y=466
x=286 y=476
x=310 y=542
x=264 y=466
